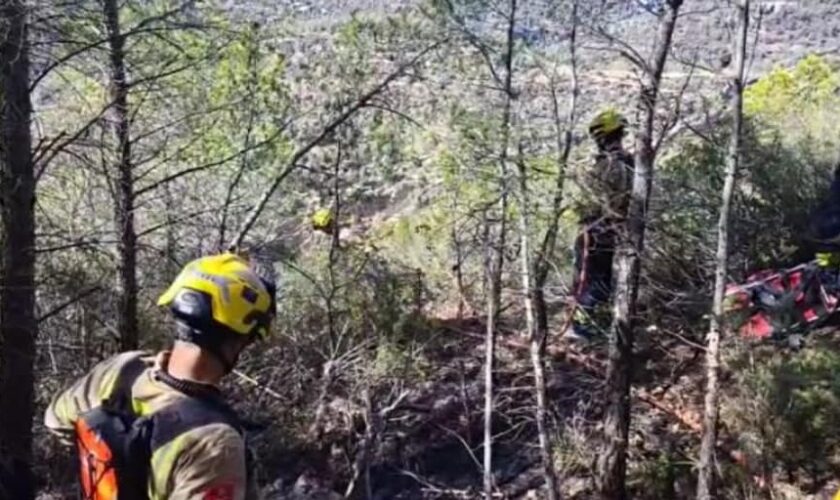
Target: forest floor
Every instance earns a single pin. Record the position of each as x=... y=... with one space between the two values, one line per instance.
x=432 y=443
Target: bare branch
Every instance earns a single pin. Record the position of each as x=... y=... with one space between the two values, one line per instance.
x=292 y=164
x=64 y=305
x=206 y=166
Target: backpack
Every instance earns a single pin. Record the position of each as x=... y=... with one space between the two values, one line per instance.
x=115 y=445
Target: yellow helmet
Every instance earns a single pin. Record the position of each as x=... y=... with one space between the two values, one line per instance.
x=322 y=220
x=606 y=123
x=222 y=293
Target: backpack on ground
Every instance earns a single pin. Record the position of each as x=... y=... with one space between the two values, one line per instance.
x=774 y=304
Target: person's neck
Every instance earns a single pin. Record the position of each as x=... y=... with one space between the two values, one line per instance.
x=189 y=362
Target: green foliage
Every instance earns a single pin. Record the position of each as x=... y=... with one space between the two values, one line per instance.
x=788 y=152
x=655 y=478
x=358 y=300
x=777 y=189
x=385 y=146
x=786 y=409
x=789 y=149
x=800 y=104
x=245 y=97
x=421 y=241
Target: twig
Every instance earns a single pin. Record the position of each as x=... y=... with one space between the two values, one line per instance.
x=464 y=443
x=255 y=383
x=68 y=303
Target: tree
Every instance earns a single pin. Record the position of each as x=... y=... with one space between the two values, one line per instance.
x=18 y=326
x=330 y=127
x=545 y=253
x=535 y=269
x=495 y=240
x=535 y=335
x=612 y=462
x=706 y=469
x=119 y=122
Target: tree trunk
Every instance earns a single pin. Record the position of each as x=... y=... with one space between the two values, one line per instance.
x=535 y=336
x=564 y=149
x=457 y=268
x=245 y=162
x=18 y=326
x=495 y=267
x=495 y=264
x=490 y=357
x=706 y=469
x=119 y=121
x=612 y=461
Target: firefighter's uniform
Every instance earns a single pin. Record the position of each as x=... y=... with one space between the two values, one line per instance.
x=205 y=462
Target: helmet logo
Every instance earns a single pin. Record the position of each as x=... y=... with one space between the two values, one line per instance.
x=189 y=302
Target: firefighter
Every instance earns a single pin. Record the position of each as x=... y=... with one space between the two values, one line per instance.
x=824 y=231
x=221 y=304
x=606 y=193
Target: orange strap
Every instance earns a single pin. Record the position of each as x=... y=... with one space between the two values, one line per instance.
x=98 y=476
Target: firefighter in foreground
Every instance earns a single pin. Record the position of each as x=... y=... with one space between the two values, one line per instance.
x=606 y=191
x=157 y=427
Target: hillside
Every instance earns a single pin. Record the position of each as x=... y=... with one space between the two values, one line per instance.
x=450 y=249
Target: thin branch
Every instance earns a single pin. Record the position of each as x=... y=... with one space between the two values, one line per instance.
x=57 y=149
x=564 y=148
x=623 y=48
x=177 y=220
x=206 y=166
x=263 y=387
x=360 y=103
x=68 y=303
x=139 y=29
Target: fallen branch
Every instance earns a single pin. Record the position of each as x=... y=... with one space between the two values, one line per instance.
x=690 y=422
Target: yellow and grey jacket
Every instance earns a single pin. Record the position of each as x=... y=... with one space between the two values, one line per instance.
x=207 y=461
x=607 y=186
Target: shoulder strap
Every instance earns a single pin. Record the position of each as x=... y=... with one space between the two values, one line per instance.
x=115 y=440
x=120 y=396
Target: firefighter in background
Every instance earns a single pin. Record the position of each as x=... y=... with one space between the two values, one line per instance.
x=323 y=220
x=824 y=232
x=606 y=193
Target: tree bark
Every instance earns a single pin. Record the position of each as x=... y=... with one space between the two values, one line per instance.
x=612 y=462
x=245 y=160
x=489 y=361
x=535 y=336
x=706 y=468
x=18 y=325
x=495 y=263
x=119 y=122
